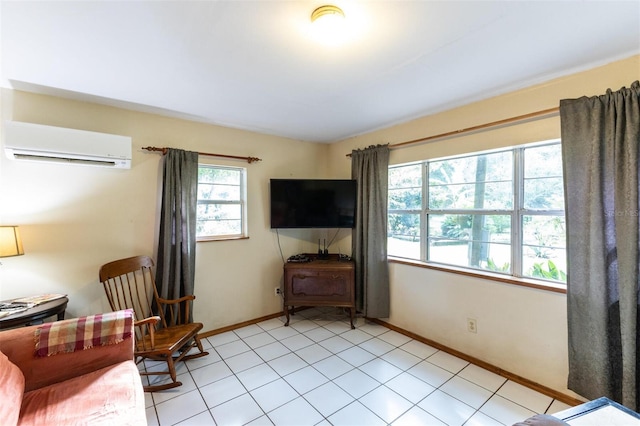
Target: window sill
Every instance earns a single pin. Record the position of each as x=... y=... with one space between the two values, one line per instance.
x=230 y=238
x=523 y=282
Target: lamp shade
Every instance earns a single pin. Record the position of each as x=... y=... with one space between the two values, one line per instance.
x=10 y=241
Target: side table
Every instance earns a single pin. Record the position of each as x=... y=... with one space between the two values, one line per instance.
x=36 y=314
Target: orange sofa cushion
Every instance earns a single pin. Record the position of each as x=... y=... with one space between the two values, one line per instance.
x=12 y=381
x=102 y=397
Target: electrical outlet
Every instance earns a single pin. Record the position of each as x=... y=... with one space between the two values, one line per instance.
x=277 y=291
x=472 y=325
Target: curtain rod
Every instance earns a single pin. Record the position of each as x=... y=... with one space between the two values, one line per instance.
x=537 y=114
x=248 y=159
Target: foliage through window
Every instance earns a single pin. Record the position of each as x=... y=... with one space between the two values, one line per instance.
x=221 y=202
x=497 y=211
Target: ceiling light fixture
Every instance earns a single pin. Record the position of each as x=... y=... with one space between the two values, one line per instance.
x=328 y=25
x=327 y=12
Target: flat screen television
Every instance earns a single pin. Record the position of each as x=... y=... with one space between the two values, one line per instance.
x=313 y=203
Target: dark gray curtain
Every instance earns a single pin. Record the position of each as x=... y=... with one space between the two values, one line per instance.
x=177 y=241
x=600 y=143
x=369 y=241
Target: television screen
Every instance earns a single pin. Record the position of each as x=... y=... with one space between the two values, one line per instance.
x=313 y=203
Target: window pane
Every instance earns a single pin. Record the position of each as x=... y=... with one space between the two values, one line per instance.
x=219 y=219
x=478 y=241
x=543 y=184
x=405 y=199
x=208 y=191
x=544 y=194
x=478 y=182
x=544 y=247
x=224 y=227
x=403 y=238
x=213 y=174
x=481 y=195
x=543 y=161
x=405 y=176
x=405 y=187
x=219 y=211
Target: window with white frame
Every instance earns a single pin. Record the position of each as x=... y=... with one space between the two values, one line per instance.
x=222 y=202
x=499 y=211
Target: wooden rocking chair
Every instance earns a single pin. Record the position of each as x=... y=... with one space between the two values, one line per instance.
x=129 y=284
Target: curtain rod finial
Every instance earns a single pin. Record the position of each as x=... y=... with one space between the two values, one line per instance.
x=155 y=149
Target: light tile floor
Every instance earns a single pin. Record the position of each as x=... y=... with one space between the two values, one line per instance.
x=318 y=371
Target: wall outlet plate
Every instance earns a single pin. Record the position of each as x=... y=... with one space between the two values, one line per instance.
x=472 y=325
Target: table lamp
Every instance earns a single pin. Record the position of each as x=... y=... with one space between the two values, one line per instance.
x=10 y=241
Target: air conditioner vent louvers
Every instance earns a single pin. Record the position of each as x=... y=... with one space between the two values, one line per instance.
x=64 y=160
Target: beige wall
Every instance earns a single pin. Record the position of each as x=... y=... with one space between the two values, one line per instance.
x=74 y=218
x=521 y=330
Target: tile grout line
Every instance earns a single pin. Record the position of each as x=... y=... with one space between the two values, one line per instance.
x=312 y=366
x=337 y=332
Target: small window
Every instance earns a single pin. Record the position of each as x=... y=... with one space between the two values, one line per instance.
x=222 y=203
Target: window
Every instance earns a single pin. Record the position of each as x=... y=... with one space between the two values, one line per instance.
x=221 y=202
x=495 y=211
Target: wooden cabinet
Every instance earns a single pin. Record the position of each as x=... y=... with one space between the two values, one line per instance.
x=320 y=282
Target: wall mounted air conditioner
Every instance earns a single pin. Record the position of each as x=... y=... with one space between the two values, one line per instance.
x=37 y=142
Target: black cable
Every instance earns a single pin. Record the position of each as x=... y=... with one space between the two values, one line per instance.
x=279 y=246
x=334 y=237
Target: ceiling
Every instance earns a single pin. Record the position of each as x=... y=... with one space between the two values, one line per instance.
x=254 y=65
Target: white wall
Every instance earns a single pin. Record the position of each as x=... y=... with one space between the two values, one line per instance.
x=74 y=219
x=521 y=330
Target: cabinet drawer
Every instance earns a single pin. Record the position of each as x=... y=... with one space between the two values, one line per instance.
x=324 y=285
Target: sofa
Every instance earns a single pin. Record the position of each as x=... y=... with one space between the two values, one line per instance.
x=74 y=372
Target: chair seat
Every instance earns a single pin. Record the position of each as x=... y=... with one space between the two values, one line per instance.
x=168 y=340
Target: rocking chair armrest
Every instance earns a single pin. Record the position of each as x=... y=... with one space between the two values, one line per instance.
x=174 y=301
x=148 y=327
x=151 y=320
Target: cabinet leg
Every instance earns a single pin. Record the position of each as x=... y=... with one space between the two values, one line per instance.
x=286 y=313
x=351 y=314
